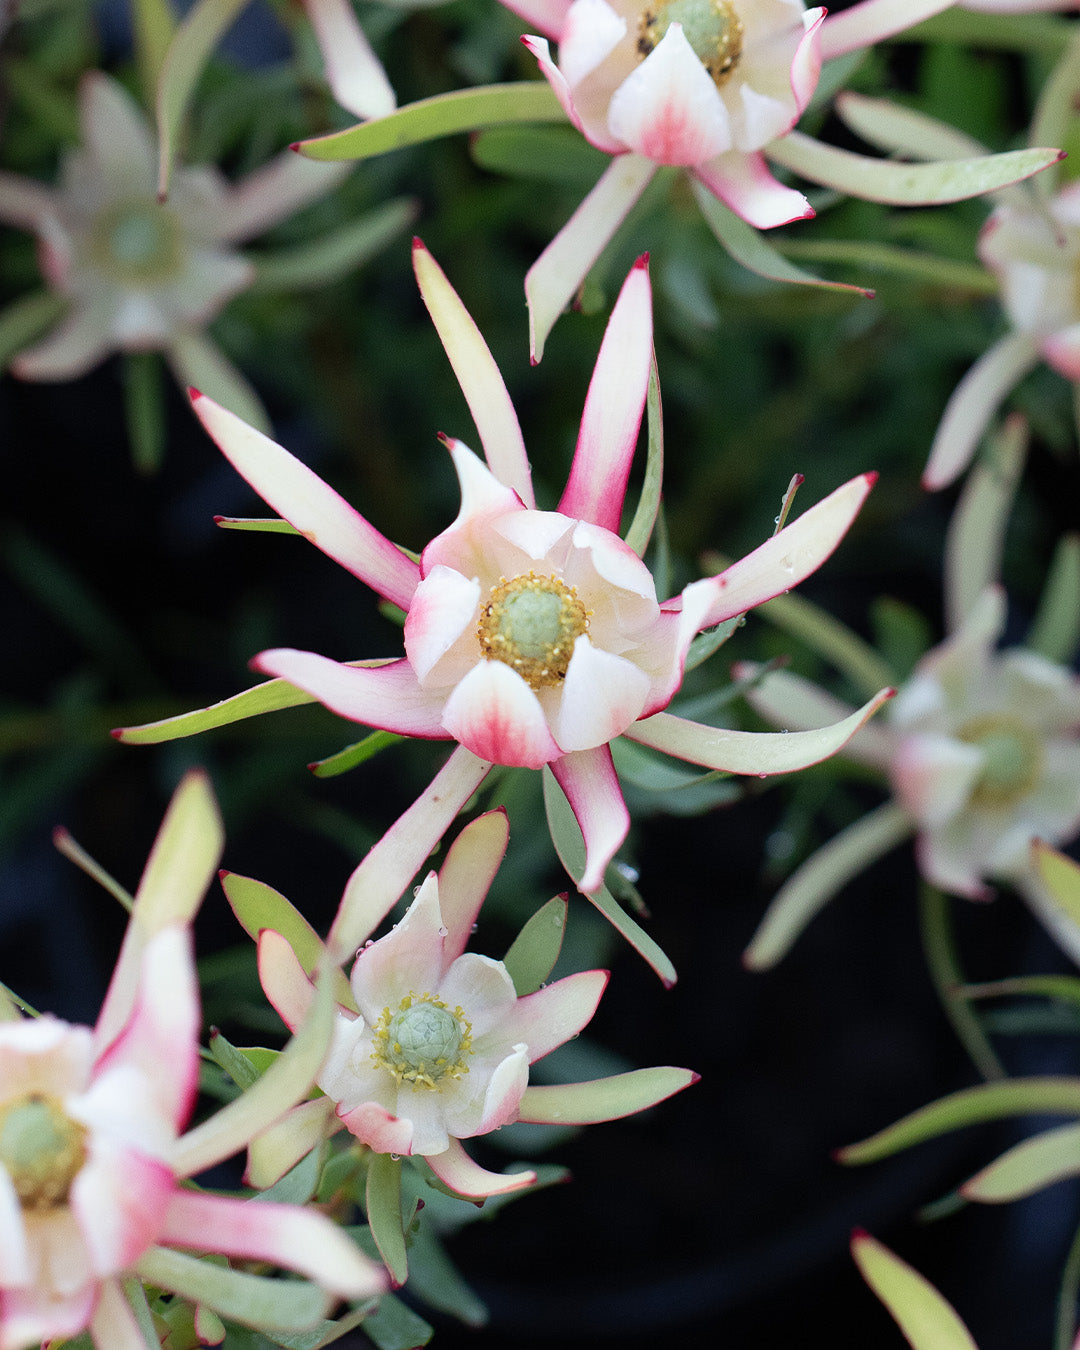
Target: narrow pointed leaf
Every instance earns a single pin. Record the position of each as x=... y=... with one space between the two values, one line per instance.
x=284 y=1083
x=153 y=28
x=898 y=130
x=444 y=115
x=750 y=247
x=815 y=883
x=26 y=319
x=258 y=906
x=1055 y=632
x=144 y=409
x=604 y=1098
x=252 y=1300
x=354 y=755
x=570 y=846
x=971 y=1106
x=536 y=948
x=199 y=33
x=267 y=697
x=1028 y=1167
x=199 y=363
x=927 y=184
x=255 y=525
x=1061 y=876
x=383 y=1205
x=319 y=262
x=648 y=507
x=925 y=1318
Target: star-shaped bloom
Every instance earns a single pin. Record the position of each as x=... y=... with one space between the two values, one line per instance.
x=980 y=749
x=438 y=1044
x=532 y=638
x=91 y=1151
x=138 y=274
x=1032 y=245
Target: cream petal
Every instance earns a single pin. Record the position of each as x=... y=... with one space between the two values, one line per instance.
x=669 y=109
x=556 y=1012
x=443 y=611
x=495 y=715
x=601 y=696
x=483 y=989
x=933 y=776
x=745 y=183
x=457 y=1170
x=464 y=878
x=377 y=1127
x=408 y=960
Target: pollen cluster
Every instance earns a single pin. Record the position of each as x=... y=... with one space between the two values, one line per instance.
x=531 y=623
x=712 y=27
x=41 y=1148
x=423 y=1043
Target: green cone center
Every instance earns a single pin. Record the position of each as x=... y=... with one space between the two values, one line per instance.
x=1012 y=758
x=531 y=624
x=138 y=242
x=712 y=28
x=423 y=1042
x=41 y=1149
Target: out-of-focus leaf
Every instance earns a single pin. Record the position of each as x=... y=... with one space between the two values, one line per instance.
x=27 y=318
x=328 y=259
x=285 y=1305
x=533 y=953
x=199 y=363
x=603 y=1098
x=435 y=1279
x=1028 y=1167
x=144 y=406
x=196 y=37
x=393 y=1326
x=153 y=27
x=549 y=154
x=871 y=256
x=970 y=1106
x=1055 y=632
x=925 y=1318
x=444 y=115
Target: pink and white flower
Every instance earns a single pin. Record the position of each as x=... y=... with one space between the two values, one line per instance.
x=1032 y=245
x=980 y=747
x=532 y=638
x=704 y=84
x=139 y=274
x=438 y=1046
x=91 y=1152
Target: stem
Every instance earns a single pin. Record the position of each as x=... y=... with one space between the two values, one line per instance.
x=1065 y=1326
x=939 y=945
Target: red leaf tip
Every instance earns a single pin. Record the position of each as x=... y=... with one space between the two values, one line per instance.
x=641 y=263
x=871 y=477
x=194 y=394
x=117 y=733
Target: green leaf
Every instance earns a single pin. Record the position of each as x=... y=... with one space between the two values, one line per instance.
x=1028 y=1167
x=604 y=1098
x=943 y=963
x=252 y=1300
x=256 y=525
x=871 y=256
x=383 y=1206
x=536 y=948
x=641 y=527
x=26 y=319
x=326 y=1332
x=258 y=906
x=899 y=130
x=1061 y=876
x=153 y=27
x=925 y=1318
x=354 y=755
x=879 y=180
x=299 y=1183
x=570 y=846
x=200 y=363
x=710 y=641
x=435 y=1279
x=444 y=115
x=393 y=1326
x=235 y=1063
x=320 y=262
x=750 y=248
x=970 y=1106
x=144 y=408
x=1055 y=632
x=270 y=696
x=546 y=154
x=1060 y=988
x=196 y=37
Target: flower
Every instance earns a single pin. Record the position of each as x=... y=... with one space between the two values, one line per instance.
x=438 y=1046
x=139 y=274
x=532 y=637
x=91 y=1157
x=980 y=748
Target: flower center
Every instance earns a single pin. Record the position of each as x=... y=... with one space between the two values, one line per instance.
x=1012 y=758
x=41 y=1149
x=423 y=1042
x=712 y=28
x=138 y=241
x=531 y=623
